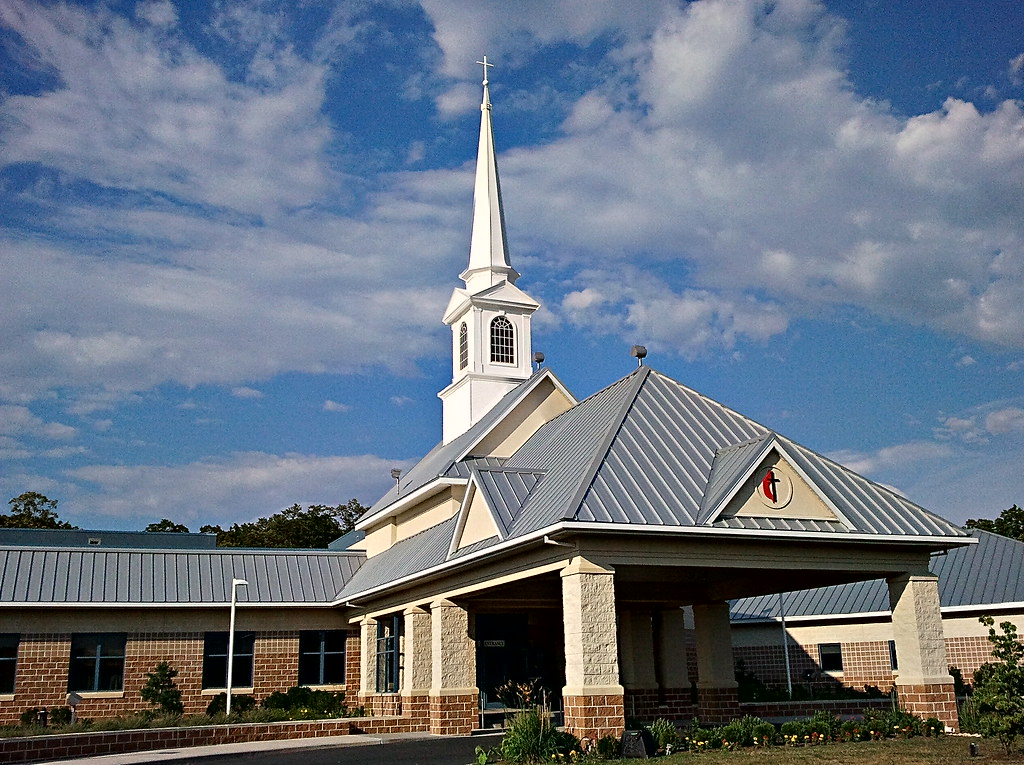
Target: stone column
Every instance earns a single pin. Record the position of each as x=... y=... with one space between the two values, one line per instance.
x=923 y=685
x=592 y=696
x=673 y=676
x=454 y=697
x=717 y=696
x=636 y=663
x=416 y=678
x=367 y=662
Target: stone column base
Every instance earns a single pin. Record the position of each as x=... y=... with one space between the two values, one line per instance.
x=595 y=716
x=454 y=715
x=382 y=704
x=717 y=706
x=930 y=700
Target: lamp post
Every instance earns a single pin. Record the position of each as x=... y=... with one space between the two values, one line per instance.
x=235 y=583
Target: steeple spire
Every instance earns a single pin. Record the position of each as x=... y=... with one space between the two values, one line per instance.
x=488 y=251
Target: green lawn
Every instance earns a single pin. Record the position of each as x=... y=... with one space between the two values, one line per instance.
x=946 y=750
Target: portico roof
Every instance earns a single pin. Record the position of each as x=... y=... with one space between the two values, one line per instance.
x=648 y=454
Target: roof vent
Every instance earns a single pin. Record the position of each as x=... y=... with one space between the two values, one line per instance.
x=638 y=352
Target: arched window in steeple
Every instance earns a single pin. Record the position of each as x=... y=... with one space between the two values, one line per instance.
x=463 y=346
x=503 y=341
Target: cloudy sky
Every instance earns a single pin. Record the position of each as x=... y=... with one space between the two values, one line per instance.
x=228 y=231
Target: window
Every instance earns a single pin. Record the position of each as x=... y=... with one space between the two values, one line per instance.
x=97 y=662
x=503 y=341
x=388 y=654
x=830 y=657
x=322 y=657
x=8 y=662
x=463 y=346
x=215 y=660
x=893 y=661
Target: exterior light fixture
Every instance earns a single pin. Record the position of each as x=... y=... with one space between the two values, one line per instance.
x=235 y=584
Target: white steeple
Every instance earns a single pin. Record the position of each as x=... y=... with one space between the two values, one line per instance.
x=488 y=250
x=490 y=317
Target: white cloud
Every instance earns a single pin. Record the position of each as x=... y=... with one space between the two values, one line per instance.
x=19 y=421
x=334 y=406
x=243 y=391
x=239 y=487
x=1003 y=421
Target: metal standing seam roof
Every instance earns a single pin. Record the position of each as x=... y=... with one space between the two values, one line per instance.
x=643 y=452
x=443 y=459
x=989 y=573
x=49 y=576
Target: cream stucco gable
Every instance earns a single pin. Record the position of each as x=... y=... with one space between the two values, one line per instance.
x=476 y=520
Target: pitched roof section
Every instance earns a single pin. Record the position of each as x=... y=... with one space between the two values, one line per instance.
x=644 y=451
x=48 y=576
x=444 y=460
x=989 y=573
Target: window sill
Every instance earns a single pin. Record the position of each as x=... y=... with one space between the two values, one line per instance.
x=100 y=694
x=6 y=697
x=246 y=691
x=327 y=687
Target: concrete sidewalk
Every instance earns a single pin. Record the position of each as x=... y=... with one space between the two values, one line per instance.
x=230 y=750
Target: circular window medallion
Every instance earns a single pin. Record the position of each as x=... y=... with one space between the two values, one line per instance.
x=774 y=488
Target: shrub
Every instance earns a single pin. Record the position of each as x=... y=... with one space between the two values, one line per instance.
x=793 y=731
x=664 y=733
x=218 y=704
x=161 y=690
x=304 y=703
x=609 y=747
x=999 y=687
x=763 y=734
x=530 y=737
x=825 y=724
x=60 y=716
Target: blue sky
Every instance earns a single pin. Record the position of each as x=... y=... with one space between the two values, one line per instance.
x=229 y=230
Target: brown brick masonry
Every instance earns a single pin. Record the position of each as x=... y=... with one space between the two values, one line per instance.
x=454 y=715
x=717 y=705
x=594 y=716
x=935 y=700
x=29 y=749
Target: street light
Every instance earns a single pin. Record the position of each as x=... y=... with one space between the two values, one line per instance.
x=235 y=583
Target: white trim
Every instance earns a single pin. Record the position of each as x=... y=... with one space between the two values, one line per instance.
x=565 y=526
x=861 y=615
x=162 y=604
x=408 y=500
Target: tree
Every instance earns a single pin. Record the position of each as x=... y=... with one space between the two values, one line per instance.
x=315 y=527
x=33 y=510
x=999 y=686
x=1010 y=523
x=161 y=690
x=166 y=525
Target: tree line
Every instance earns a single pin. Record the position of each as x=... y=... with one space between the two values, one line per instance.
x=314 y=526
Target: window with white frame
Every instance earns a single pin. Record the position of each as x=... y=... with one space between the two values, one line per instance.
x=503 y=341
x=388 y=653
x=463 y=346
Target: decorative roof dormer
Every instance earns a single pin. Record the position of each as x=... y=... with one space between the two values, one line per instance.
x=490 y=317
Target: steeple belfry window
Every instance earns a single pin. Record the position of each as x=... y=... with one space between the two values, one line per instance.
x=463 y=346
x=503 y=341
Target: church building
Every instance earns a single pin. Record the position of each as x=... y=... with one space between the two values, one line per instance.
x=591 y=547
x=557 y=540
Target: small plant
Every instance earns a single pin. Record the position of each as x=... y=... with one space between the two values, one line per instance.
x=664 y=733
x=609 y=747
x=218 y=704
x=515 y=695
x=530 y=737
x=999 y=686
x=161 y=690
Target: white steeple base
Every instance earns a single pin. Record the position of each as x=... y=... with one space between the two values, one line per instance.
x=468 y=399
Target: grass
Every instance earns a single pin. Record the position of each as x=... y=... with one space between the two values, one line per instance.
x=946 y=750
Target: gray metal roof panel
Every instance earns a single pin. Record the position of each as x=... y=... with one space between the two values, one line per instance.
x=988 y=573
x=33 y=575
x=506 y=491
x=408 y=556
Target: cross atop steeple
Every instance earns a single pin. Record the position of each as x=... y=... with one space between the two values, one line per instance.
x=485 y=64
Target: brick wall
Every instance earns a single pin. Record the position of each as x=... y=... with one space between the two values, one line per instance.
x=43 y=661
x=968 y=653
